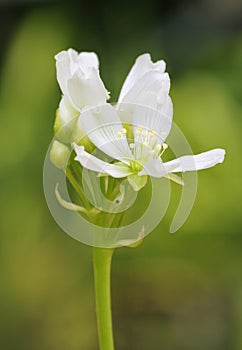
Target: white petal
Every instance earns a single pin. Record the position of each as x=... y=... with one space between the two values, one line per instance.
x=102 y=125
x=68 y=62
x=142 y=65
x=151 y=91
x=65 y=66
x=166 y=108
x=153 y=123
x=86 y=89
x=92 y=163
x=150 y=83
x=67 y=111
x=197 y=162
x=87 y=59
x=154 y=167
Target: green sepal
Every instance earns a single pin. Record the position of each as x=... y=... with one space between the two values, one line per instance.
x=137 y=182
x=175 y=178
x=75 y=207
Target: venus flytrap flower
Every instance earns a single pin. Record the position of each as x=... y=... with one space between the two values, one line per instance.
x=147 y=85
x=141 y=157
x=129 y=140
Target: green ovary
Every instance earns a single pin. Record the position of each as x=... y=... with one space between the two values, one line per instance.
x=135 y=166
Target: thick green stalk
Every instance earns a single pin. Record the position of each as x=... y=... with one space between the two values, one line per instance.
x=102 y=258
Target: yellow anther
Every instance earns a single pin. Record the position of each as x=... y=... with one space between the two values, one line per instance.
x=165 y=146
x=151 y=134
x=158 y=147
x=108 y=94
x=132 y=145
x=137 y=133
x=120 y=134
x=144 y=134
x=124 y=131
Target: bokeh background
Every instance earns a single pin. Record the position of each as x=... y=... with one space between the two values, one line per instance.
x=174 y=292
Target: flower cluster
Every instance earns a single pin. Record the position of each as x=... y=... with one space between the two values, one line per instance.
x=132 y=133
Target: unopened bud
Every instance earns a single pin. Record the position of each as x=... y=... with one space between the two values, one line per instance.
x=59 y=155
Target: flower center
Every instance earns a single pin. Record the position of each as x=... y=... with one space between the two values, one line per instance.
x=146 y=145
x=135 y=166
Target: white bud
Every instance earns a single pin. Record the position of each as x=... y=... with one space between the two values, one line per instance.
x=59 y=155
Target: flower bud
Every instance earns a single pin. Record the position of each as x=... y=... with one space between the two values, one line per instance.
x=59 y=155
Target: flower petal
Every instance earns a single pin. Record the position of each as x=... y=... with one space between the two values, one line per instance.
x=154 y=167
x=152 y=121
x=86 y=89
x=86 y=60
x=197 y=162
x=90 y=162
x=142 y=65
x=104 y=128
x=66 y=110
x=65 y=66
x=150 y=90
x=69 y=62
x=150 y=129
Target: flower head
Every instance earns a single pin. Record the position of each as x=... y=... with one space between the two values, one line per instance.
x=119 y=146
x=137 y=157
x=132 y=132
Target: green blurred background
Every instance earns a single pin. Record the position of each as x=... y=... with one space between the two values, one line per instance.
x=174 y=292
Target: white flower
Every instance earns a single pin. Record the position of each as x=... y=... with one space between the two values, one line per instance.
x=80 y=82
x=144 y=104
x=141 y=157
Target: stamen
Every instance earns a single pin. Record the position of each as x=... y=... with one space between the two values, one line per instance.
x=120 y=134
x=137 y=132
x=145 y=143
x=164 y=147
x=143 y=135
x=124 y=131
x=108 y=94
x=132 y=145
x=158 y=147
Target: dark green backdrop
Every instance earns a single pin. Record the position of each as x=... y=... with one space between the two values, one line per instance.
x=174 y=292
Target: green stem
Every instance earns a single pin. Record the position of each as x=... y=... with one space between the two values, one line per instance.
x=102 y=258
x=77 y=188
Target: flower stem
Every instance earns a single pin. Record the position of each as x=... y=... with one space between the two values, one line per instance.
x=102 y=258
x=77 y=188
